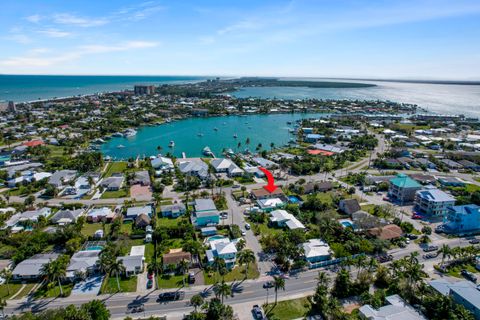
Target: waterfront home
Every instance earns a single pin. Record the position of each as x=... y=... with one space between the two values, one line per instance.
x=270 y=204
x=227 y=166
x=265 y=163
x=349 y=206
x=162 y=164
x=313 y=137
x=224 y=249
x=403 y=188
x=172 y=259
x=142 y=178
x=16 y=221
x=462 y=219
x=193 y=167
x=396 y=308
x=328 y=148
x=432 y=201
x=133 y=212
x=316 y=250
x=113 y=183
x=205 y=213
x=27 y=177
x=451 y=182
x=173 y=210
x=67 y=216
x=253 y=170
x=388 y=232
x=101 y=214
x=262 y=193
x=462 y=292
x=31 y=268
x=85 y=262
x=62 y=177
x=282 y=219
x=135 y=262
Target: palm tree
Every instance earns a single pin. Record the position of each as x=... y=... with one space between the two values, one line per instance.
x=222 y=290
x=59 y=271
x=272 y=145
x=241 y=245
x=445 y=251
x=278 y=283
x=154 y=267
x=117 y=267
x=219 y=264
x=247 y=142
x=184 y=264
x=7 y=275
x=196 y=301
x=246 y=257
x=3 y=304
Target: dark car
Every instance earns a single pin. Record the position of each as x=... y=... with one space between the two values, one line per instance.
x=384 y=258
x=171 y=296
x=136 y=307
x=474 y=241
x=268 y=285
x=149 y=284
x=411 y=236
x=430 y=248
x=430 y=255
x=191 y=277
x=257 y=312
x=469 y=276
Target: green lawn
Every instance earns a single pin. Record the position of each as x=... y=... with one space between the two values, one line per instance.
x=26 y=290
x=169 y=222
x=109 y=285
x=238 y=273
x=53 y=292
x=149 y=249
x=14 y=287
x=55 y=151
x=368 y=208
x=263 y=229
x=89 y=229
x=455 y=271
x=289 y=309
x=171 y=281
x=122 y=193
x=116 y=167
x=472 y=188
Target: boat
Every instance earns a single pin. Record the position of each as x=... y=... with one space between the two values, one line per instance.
x=229 y=151
x=129 y=133
x=289 y=122
x=120 y=146
x=224 y=123
x=216 y=129
x=235 y=136
x=171 y=144
x=117 y=134
x=200 y=134
x=206 y=151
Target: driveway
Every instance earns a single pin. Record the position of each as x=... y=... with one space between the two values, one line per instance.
x=89 y=286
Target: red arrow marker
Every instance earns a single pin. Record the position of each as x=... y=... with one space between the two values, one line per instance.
x=270 y=187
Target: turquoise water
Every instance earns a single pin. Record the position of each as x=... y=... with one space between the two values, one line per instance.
x=263 y=129
x=217 y=237
x=31 y=87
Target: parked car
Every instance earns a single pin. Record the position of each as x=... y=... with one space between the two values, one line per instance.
x=411 y=236
x=469 y=276
x=149 y=284
x=430 y=248
x=150 y=276
x=247 y=226
x=171 y=296
x=384 y=258
x=268 y=284
x=191 y=277
x=417 y=217
x=136 y=307
x=474 y=241
x=386 y=199
x=430 y=255
x=244 y=233
x=257 y=312
x=235 y=186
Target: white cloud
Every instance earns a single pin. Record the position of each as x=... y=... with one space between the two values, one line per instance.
x=73 y=20
x=54 y=33
x=34 y=18
x=36 y=58
x=19 y=38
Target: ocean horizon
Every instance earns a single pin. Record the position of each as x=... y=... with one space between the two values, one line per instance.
x=448 y=97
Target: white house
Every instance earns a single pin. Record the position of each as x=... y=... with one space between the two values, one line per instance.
x=227 y=166
x=282 y=218
x=316 y=250
x=223 y=249
x=433 y=201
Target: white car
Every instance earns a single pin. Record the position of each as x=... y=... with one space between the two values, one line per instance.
x=244 y=233
x=247 y=226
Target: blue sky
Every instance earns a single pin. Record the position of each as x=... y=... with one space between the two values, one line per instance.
x=426 y=39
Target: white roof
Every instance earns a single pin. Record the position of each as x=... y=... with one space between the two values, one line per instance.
x=433 y=194
x=316 y=248
x=288 y=218
x=137 y=251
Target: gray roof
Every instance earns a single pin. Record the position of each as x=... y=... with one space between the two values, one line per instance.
x=32 y=266
x=464 y=289
x=112 y=182
x=204 y=205
x=136 y=211
x=196 y=166
x=177 y=207
x=56 y=178
x=67 y=214
x=82 y=260
x=142 y=177
x=264 y=162
x=433 y=194
x=396 y=310
x=131 y=262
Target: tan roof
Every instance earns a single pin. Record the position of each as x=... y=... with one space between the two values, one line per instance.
x=388 y=232
x=176 y=257
x=262 y=192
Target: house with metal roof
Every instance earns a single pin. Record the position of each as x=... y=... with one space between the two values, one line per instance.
x=282 y=219
x=462 y=292
x=61 y=177
x=205 y=213
x=63 y=217
x=316 y=250
x=396 y=308
x=133 y=212
x=462 y=219
x=433 y=201
x=193 y=167
x=135 y=262
x=223 y=249
x=173 y=210
x=113 y=183
x=227 y=166
x=31 y=268
x=84 y=262
x=403 y=189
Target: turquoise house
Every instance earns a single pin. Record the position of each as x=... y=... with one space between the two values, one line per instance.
x=205 y=213
x=462 y=219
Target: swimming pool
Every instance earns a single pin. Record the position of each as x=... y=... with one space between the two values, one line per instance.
x=95 y=248
x=216 y=237
x=293 y=199
x=347 y=223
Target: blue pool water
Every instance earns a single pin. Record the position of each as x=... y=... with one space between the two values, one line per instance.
x=293 y=199
x=217 y=237
x=95 y=248
x=347 y=224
